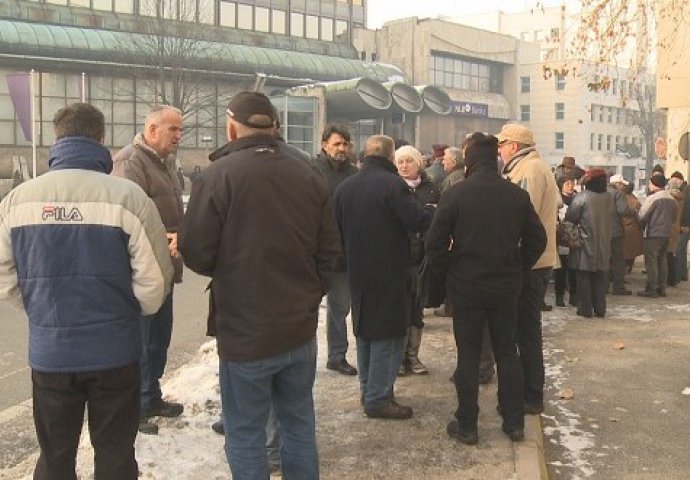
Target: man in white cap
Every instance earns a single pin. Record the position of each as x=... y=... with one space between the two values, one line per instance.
x=525 y=168
x=620 y=209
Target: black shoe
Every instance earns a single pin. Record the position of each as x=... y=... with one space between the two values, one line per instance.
x=392 y=411
x=661 y=292
x=572 y=301
x=559 y=301
x=534 y=408
x=648 y=294
x=516 y=435
x=585 y=315
x=621 y=292
x=218 y=427
x=163 y=409
x=341 y=366
x=546 y=308
x=147 y=427
x=469 y=437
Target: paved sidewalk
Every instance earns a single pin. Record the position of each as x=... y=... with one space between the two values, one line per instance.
x=351 y=446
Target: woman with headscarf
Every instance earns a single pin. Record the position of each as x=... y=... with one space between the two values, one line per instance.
x=590 y=210
x=411 y=168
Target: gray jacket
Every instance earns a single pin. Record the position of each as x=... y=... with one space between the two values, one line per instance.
x=619 y=209
x=658 y=214
x=591 y=211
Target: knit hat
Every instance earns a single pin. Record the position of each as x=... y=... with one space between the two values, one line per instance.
x=252 y=109
x=658 y=180
x=481 y=149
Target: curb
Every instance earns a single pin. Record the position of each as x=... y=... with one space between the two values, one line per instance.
x=530 y=462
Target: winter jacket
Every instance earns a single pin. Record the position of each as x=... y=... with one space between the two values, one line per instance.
x=334 y=173
x=591 y=211
x=375 y=211
x=527 y=170
x=618 y=210
x=658 y=214
x=260 y=223
x=455 y=176
x=88 y=254
x=496 y=235
x=679 y=197
x=158 y=178
x=426 y=193
x=632 y=243
x=436 y=172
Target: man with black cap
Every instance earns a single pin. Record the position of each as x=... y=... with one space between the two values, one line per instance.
x=260 y=224
x=487 y=265
x=657 y=216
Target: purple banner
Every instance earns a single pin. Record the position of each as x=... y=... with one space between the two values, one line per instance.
x=19 y=85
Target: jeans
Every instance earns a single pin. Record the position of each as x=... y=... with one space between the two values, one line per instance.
x=655 y=262
x=378 y=362
x=112 y=397
x=470 y=319
x=273 y=440
x=682 y=257
x=337 y=308
x=156 y=331
x=529 y=337
x=248 y=389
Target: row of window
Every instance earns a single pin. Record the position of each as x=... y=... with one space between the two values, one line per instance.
x=611 y=143
x=316 y=19
x=526 y=86
x=619 y=116
x=559 y=112
x=452 y=72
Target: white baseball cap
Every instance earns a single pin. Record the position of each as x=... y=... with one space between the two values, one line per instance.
x=618 y=178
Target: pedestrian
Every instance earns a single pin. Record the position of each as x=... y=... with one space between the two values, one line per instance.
x=682 y=250
x=525 y=167
x=334 y=164
x=619 y=210
x=376 y=211
x=435 y=171
x=632 y=242
x=454 y=167
x=410 y=167
x=657 y=216
x=149 y=161
x=674 y=187
x=591 y=211
x=565 y=276
x=488 y=234
x=86 y=255
x=260 y=223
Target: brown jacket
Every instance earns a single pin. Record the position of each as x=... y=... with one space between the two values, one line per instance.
x=632 y=241
x=158 y=178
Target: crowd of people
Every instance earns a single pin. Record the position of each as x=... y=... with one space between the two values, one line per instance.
x=481 y=227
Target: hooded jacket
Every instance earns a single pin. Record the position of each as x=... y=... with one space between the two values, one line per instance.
x=88 y=255
x=527 y=170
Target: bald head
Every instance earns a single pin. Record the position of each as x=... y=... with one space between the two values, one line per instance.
x=380 y=146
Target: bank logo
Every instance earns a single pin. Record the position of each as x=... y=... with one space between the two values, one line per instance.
x=62 y=214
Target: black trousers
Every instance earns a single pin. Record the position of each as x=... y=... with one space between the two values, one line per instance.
x=591 y=293
x=617 y=272
x=469 y=320
x=59 y=400
x=565 y=278
x=529 y=337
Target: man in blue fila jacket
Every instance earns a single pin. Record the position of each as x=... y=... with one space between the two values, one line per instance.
x=87 y=254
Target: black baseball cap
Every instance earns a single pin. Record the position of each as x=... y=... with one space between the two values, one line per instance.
x=252 y=109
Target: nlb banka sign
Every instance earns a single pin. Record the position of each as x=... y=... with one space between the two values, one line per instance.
x=469 y=108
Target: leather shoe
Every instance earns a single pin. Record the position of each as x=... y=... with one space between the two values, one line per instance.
x=648 y=294
x=516 y=435
x=163 y=409
x=147 y=427
x=469 y=437
x=391 y=410
x=341 y=366
x=218 y=427
x=621 y=292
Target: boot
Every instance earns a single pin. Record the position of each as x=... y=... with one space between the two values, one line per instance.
x=414 y=335
x=560 y=302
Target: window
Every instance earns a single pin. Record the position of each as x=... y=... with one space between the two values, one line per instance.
x=600 y=141
x=560 y=111
x=327 y=29
x=207 y=11
x=297 y=24
x=244 y=17
x=524 y=85
x=614 y=86
x=340 y=27
x=261 y=19
x=560 y=140
x=617 y=145
x=445 y=71
x=623 y=85
x=227 y=14
x=524 y=113
x=610 y=109
x=278 y=18
x=560 y=82
x=601 y=113
x=312 y=27
x=591 y=141
x=608 y=143
x=593 y=113
x=555 y=34
x=619 y=115
x=80 y=3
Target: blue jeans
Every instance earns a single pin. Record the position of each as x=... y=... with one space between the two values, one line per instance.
x=378 y=362
x=337 y=308
x=682 y=257
x=248 y=389
x=156 y=331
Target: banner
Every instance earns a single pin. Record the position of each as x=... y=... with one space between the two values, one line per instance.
x=19 y=85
